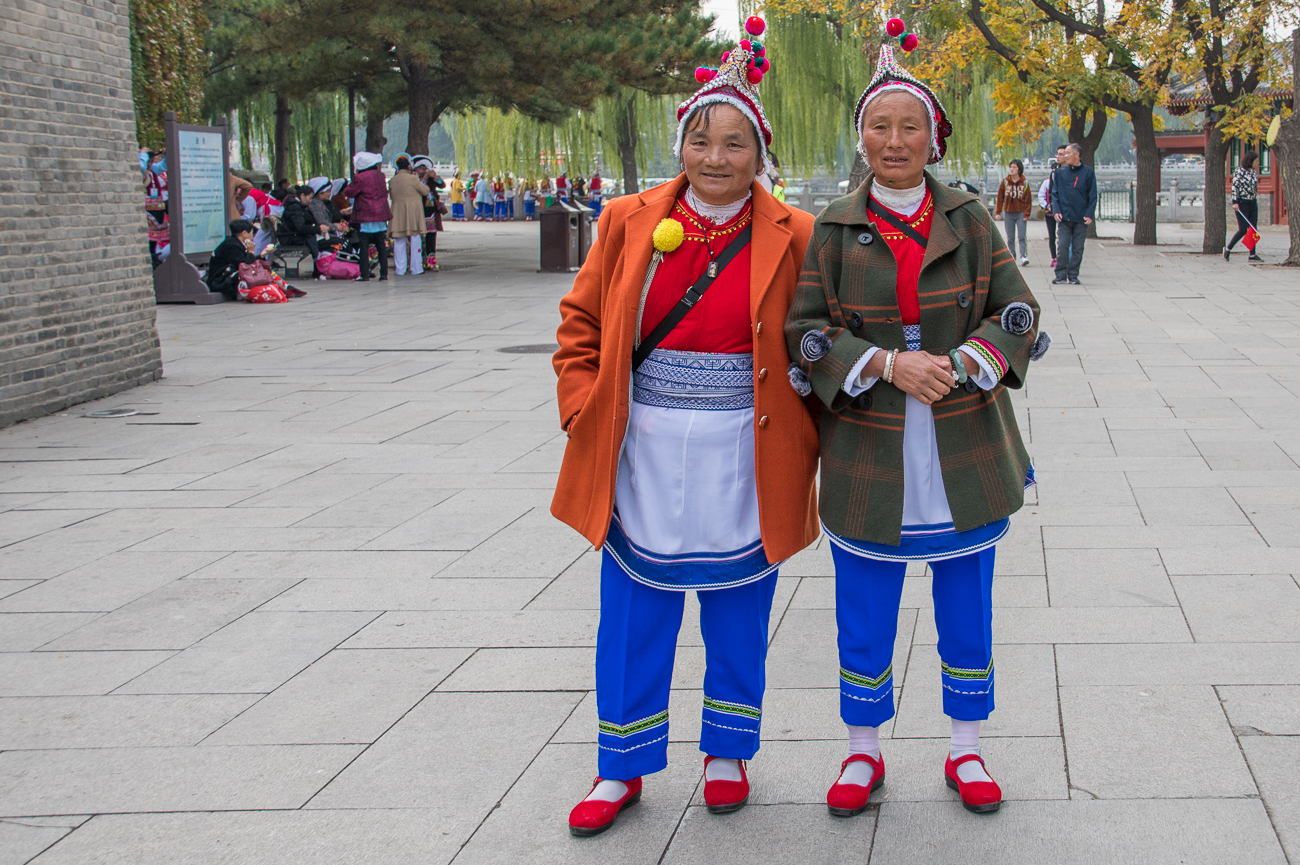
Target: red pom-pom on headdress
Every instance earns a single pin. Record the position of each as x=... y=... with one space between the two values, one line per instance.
x=754 y=75
x=908 y=42
x=895 y=27
x=746 y=45
x=704 y=74
x=725 y=55
x=755 y=26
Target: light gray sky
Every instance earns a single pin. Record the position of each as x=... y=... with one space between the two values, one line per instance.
x=728 y=12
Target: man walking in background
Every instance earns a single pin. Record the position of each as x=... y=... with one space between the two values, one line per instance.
x=1074 y=205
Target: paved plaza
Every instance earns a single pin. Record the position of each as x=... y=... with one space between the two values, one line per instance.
x=309 y=605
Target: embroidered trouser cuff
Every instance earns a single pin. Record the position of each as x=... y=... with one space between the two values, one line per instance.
x=635 y=647
x=867 y=596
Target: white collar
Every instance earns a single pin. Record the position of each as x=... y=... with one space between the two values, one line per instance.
x=715 y=213
x=904 y=201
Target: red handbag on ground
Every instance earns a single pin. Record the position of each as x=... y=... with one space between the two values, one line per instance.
x=266 y=294
x=256 y=274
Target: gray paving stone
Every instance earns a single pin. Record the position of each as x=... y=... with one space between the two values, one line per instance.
x=785 y=773
x=494 y=628
x=1146 y=762
x=9 y=587
x=174 y=616
x=255 y=654
x=51 y=674
x=1240 y=609
x=461 y=751
x=165 y=779
x=376 y=837
x=1025 y=695
x=542 y=669
x=107 y=583
x=577 y=588
x=22 y=840
x=28 y=723
x=1168 y=664
x=1274 y=762
x=26 y=632
x=1272 y=710
x=535 y=545
x=20 y=525
x=1155 y=832
x=348 y=696
x=1108 y=578
x=461 y=522
x=336 y=564
x=771 y=833
x=803 y=653
x=407 y=593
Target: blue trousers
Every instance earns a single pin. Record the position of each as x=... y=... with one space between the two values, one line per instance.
x=867 y=594
x=529 y=208
x=635 y=647
x=458 y=211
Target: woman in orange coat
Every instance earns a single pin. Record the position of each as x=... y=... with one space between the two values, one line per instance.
x=691 y=454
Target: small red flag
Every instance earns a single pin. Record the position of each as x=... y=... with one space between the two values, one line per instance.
x=1251 y=238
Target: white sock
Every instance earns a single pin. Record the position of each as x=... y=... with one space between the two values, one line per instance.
x=966 y=740
x=862 y=740
x=608 y=791
x=722 y=769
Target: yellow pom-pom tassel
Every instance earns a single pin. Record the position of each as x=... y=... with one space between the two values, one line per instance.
x=668 y=235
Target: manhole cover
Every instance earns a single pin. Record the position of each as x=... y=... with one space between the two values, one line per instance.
x=113 y=412
x=536 y=348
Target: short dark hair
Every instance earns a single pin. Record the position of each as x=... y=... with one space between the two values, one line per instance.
x=1062 y=146
x=1249 y=159
x=239 y=226
x=265 y=187
x=1018 y=164
x=402 y=162
x=304 y=190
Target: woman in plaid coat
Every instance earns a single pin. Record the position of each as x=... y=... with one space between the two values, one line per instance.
x=910 y=323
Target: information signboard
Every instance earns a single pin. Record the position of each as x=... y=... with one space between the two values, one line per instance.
x=202 y=169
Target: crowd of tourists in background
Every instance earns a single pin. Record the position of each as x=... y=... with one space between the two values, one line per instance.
x=347 y=227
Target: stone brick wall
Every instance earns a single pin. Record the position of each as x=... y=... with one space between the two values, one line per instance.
x=76 y=291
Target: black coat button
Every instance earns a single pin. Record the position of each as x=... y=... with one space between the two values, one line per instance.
x=863 y=401
x=865 y=238
x=856 y=319
x=971 y=386
x=963 y=300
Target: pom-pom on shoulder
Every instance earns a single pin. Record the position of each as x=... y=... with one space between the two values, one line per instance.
x=668 y=235
x=814 y=346
x=799 y=380
x=1017 y=318
x=1040 y=346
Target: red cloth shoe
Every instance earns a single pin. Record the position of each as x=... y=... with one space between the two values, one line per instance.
x=593 y=816
x=723 y=797
x=850 y=800
x=979 y=797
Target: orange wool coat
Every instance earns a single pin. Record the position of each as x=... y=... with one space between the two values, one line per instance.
x=594 y=365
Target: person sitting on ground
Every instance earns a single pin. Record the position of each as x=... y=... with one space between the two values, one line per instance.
x=236 y=249
x=299 y=226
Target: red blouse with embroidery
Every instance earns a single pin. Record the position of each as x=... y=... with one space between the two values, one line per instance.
x=719 y=323
x=909 y=255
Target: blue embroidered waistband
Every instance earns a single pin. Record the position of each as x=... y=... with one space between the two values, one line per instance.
x=695 y=380
x=926 y=543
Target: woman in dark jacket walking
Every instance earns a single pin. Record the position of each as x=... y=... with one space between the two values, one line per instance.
x=370 y=210
x=1245 y=202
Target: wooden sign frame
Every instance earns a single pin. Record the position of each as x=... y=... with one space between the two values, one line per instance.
x=177 y=279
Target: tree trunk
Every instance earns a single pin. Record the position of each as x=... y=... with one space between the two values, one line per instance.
x=1215 y=212
x=1287 y=152
x=419 y=109
x=1088 y=142
x=1148 y=172
x=375 y=139
x=280 y=158
x=625 y=126
x=859 y=172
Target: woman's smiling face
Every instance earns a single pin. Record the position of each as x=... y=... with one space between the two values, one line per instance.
x=896 y=137
x=720 y=153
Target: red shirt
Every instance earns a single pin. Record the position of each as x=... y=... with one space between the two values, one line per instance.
x=909 y=254
x=719 y=323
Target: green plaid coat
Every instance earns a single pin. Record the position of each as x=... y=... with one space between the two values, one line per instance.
x=967 y=278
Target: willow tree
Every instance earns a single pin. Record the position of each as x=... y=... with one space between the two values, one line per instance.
x=821 y=65
x=167 y=64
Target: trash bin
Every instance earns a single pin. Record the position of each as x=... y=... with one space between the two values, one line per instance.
x=585 y=238
x=560 y=238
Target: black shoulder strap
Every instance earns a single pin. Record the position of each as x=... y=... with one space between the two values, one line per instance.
x=692 y=297
x=896 y=222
